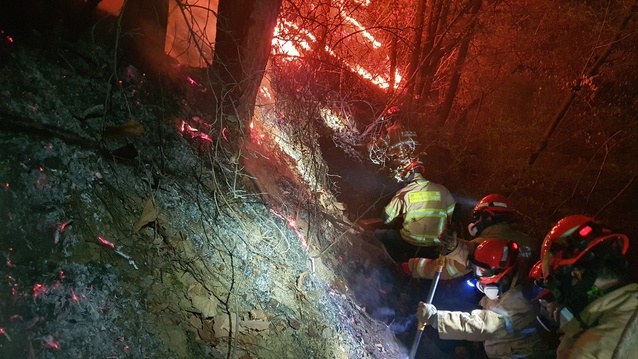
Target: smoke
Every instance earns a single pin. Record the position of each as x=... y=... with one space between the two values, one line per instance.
x=466 y=202
x=383 y=313
x=374 y=287
x=403 y=324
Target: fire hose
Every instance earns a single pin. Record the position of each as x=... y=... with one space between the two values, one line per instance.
x=440 y=262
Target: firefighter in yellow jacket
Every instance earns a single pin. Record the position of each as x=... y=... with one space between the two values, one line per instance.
x=426 y=208
x=595 y=307
x=507 y=323
x=492 y=216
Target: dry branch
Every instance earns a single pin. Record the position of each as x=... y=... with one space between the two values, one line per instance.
x=574 y=90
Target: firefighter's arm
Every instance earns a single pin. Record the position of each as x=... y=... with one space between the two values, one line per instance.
x=392 y=211
x=464 y=249
x=477 y=325
x=426 y=268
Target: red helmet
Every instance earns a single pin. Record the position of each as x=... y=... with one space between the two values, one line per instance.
x=493 y=259
x=536 y=273
x=578 y=238
x=416 y=166
x=494 y=205
x=393 y=110
x=537 y=288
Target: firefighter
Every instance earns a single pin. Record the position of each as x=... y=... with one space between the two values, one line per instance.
x=595 y=306
x=394 y=146
x=492 y=216
x=507 y=323
x=425 y=207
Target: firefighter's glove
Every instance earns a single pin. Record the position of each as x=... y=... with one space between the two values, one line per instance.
x=449 y=241
x=427 y=314
x=405 y=267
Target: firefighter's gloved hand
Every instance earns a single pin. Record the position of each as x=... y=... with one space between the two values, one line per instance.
x=427 y=314
x=449 y=241
x=405 y=267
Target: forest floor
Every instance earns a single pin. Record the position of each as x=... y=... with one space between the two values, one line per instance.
x=125 y=236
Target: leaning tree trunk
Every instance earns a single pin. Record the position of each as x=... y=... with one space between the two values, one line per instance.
x=431 y=52
x=416 y=46
x=242 y=46
x=446 y=106
x=393 y=49
x=143 y=30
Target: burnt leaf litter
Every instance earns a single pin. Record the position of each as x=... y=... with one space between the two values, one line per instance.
x=127 y=234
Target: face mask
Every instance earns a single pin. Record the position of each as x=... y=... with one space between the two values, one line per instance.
x=491 y=291
x=565 y=316
x=472 y=229
x=552 y=318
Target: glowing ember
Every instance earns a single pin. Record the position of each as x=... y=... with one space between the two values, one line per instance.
x=191 y=81
x=63 y=226
x=194 y=132
x=50 y=343
x=105 y=242
x=39 y=289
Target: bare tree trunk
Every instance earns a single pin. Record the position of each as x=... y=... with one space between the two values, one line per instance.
x=445 y=108
x=243 y=41
x=416 y=48
x=424 y=70
x=430 y=55
x=144 y=31
x=393 y=49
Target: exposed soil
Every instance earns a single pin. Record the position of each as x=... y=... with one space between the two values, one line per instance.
x=134 y=225
x=126 y=238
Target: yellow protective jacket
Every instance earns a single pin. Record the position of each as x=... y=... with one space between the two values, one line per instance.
x=425 y=207
x=607 y=319
x=507 y=326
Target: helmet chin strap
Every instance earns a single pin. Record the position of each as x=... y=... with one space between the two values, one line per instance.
x=410 y=177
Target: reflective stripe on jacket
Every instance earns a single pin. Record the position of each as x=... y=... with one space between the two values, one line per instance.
x=425 y=207
x=426 y=268
x=606 y=318
x=506 y=325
